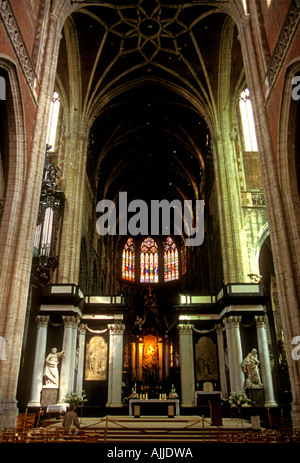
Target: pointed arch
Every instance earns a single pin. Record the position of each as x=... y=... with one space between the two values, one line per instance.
x=149 y=261
x=13 y=167
x=171 y=263
x=245 y=106
x=128 y=260
x=289 y=159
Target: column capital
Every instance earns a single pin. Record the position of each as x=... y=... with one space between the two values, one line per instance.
x=185 y=328
x=245 y=20
x=82 y=328
x=260 y=320
x=70 y=320
x=42 y=320
x=219 y=328
x=232 y=321
x=116 y=328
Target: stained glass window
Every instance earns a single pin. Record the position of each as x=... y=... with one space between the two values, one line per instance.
x=149 y=261
x=248 y=121
x=128 y=260
x=171 y=268
x=183 y=260
x=53 y=119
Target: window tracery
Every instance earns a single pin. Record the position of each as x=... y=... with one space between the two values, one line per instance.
x=154 y=262
x=53 y=120
x=246 y=112
x=149 y=261
x=128 y=260
x=171 y=267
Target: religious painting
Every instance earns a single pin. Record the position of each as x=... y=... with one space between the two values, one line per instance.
x=150 y=353
x=206 y=360
x=96 y=359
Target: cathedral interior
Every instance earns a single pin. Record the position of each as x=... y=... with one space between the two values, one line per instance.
x=185 y=105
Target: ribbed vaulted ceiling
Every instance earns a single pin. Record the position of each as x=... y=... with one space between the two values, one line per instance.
x=149 y=76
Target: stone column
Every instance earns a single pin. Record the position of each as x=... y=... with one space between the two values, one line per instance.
x=160 y=360
x=166 y=357
x=16 y=266
x=187 y=374
x=265 y=366
x=74 y=178
x=39 y=361
x=74 y=173
x=286 y=265
x=222 y=369
x=231 y=221
x=67 y=364
x=80 y=358
x=73 y=355
x=115 y=367
x=133 y=361
x=235 y=355
x=139 y=360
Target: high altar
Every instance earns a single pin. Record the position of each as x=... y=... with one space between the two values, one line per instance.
x=104 y=347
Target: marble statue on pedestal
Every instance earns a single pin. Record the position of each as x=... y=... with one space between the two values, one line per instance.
x=250 y=367
x=51 y=375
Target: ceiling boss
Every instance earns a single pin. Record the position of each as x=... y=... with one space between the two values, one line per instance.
x=153 y=26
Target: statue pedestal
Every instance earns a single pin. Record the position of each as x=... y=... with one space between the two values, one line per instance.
x=257 y=396
x=49 y=396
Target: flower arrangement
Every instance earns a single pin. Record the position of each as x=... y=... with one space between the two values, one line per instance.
x=133 y=395
x=75 y=398
x=173 y=394
x=238 y=399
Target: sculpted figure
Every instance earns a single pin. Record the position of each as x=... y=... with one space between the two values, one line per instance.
x=51 y=374
x=250 y=367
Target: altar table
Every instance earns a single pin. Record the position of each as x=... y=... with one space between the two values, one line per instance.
x=153 y=402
